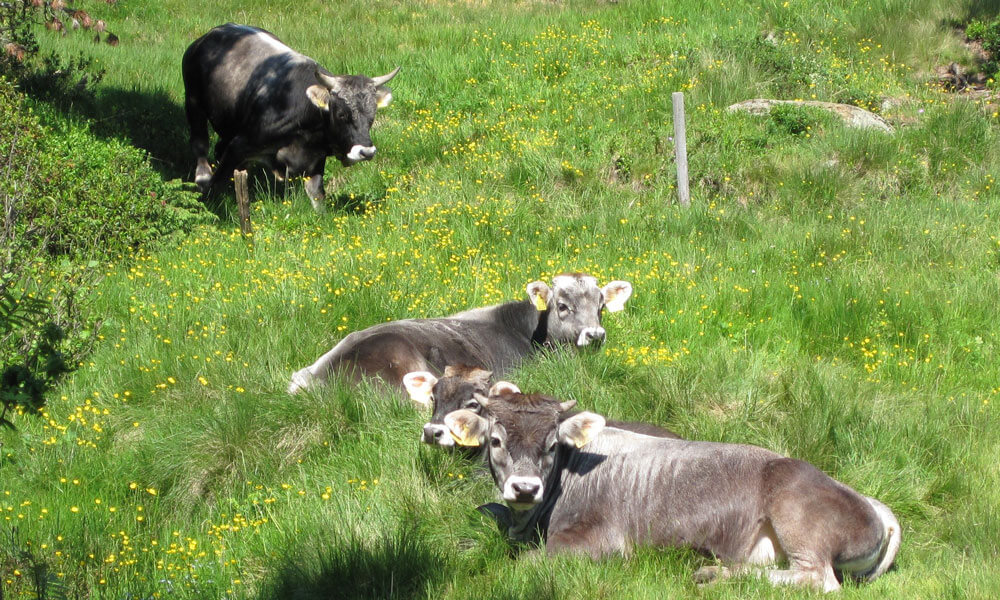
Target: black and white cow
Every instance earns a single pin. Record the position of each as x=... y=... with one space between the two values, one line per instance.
x=494 y=338
x=586 y=487
x=467 y=388
x=273 y=105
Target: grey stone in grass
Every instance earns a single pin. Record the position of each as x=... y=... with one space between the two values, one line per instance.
x=852 y=116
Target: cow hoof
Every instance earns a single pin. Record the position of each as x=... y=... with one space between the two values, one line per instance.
x=301 y=380
x=709 y=575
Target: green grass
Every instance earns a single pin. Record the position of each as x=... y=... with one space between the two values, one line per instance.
x=830 y=294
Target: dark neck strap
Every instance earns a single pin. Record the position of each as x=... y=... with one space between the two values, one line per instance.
x=541 y=332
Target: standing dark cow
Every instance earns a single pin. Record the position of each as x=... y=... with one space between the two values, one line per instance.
x=590 y=488
x=273 y=105
x=495 y=338
x=466 y=388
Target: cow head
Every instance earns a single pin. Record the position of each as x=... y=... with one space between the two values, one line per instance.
x=461 y=387
x=573 y=306
x=523 y=434
x=349 y=102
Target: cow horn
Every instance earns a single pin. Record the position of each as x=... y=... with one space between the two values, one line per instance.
x=377 y=81
x=330 y=81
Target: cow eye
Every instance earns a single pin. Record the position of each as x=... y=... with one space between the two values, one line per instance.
x=472 y=404
x=495 y=442
x=562 y=307
x=553 y=446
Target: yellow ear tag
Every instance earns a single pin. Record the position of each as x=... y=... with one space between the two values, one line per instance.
x=465 y=440
x=540 y=303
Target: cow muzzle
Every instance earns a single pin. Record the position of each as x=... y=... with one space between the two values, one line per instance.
x=359 y=153
x=521 y=492
x=437 y=434
x=591 y=336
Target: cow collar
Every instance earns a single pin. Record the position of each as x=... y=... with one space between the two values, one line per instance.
x=541 y=333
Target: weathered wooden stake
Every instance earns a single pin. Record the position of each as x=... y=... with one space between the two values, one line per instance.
x=243 y=201
x=680 y=150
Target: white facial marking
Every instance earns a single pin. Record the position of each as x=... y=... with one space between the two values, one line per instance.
x=568 y=280
x=359 y=153
x=589 y=335
x=510 y=490
x=437 y=434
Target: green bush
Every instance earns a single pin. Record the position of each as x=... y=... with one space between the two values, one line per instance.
x=68 y=201
x=790 y=119
x=73 y=195
x=988 y=34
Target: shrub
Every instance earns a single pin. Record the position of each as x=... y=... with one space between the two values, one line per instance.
x=67 y=193
x=987 y=33
x=61 y=81
x=68 y=201
x=790 y=119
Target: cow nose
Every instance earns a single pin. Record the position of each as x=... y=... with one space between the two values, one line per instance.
x=359 y=153
x=525 y=489
x=434 y=433
x=591 y=335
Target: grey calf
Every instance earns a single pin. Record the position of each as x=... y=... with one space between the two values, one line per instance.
x=589 y=488
x=467 y=388
x=494 y=338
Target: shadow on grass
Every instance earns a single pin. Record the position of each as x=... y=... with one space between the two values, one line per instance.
x=398 y=565
x=155 y=122
x=152 y=121
x=981 y=9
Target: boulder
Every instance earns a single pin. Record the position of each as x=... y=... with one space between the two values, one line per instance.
x=852 y=116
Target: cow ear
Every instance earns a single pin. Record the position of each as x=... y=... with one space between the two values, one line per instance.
x=539 y=293
x=468 y=428
x=504 y=387
x=564 y=406
x=383 y=96
x=616 y=294
x=580 y=429
x=419 y=384
x=319 y=95
x=480 y=376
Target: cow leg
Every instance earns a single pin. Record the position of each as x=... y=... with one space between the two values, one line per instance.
x=309 y=163
x=818 y=520
x=590 y=534
x=388 y=356
x=314 y=185
x=234 y=153
x=315 y=191
x=221 y=146
x=800 y=574
x=820 y=577
x=198 y=124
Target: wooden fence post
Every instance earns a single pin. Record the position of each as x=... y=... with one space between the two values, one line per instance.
x=680 y=150
x=243 y=201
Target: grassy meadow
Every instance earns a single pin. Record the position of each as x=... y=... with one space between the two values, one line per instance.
x=830 y=294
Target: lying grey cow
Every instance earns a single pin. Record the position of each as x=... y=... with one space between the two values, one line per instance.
x=466 y=388
x=590 y=488
x=495 y=338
